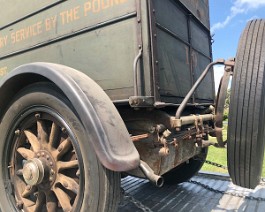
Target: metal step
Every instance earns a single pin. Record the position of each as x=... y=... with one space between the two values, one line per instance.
x=189 y=196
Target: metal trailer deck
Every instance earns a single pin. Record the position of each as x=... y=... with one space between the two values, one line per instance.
x=204 y=192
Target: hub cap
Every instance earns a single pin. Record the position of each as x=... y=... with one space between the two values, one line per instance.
x=33 y=172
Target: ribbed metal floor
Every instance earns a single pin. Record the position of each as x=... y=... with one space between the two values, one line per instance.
x=191 y=197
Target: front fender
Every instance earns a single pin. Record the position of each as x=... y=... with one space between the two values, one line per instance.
x=100 y=118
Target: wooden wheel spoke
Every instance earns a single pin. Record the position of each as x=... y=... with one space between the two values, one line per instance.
x=63 y=199
x=28 y=191
x=30 y=205
x=67 y=165
x=33 y=140
x=63 y=148
x=42 y=132
x=51 y=202
x=68 y=183
x=26 y=153
x=36 y=206
x=53 y=139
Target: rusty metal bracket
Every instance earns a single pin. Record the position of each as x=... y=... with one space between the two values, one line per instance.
x=141 y=101
x=186 y=120
x=220 y=101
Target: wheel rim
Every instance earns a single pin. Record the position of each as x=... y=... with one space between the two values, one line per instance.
x=46 y=164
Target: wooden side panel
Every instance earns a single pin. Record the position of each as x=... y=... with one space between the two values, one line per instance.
x=13 y=10
x=183 y=52
x=199 y=8
x=97 y=39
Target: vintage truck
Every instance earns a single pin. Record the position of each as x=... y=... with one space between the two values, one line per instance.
x=94 y=90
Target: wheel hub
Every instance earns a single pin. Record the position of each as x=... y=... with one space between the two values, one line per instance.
x=33 y=171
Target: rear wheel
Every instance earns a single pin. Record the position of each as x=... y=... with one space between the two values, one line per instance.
x=245 y=145
x=46 y=161
x=186 y=170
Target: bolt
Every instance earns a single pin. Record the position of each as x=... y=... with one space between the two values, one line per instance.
x=37 y=115
x=17 y=132
x=63 y=130
x=52 y=172
x=50 y=179
x=47 y=157
x=42 y=154
x=38 y=155
x=178 y=129
x=51 y=164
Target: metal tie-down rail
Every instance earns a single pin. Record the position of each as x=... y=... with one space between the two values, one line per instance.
x=126 y=197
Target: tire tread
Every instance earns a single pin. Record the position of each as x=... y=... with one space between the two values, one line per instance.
x=245 y=130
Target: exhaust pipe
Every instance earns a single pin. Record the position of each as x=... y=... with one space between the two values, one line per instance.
x=150 y=175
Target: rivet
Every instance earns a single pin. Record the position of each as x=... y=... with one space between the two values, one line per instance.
x=51 y=164
x=37 y=116
x=47 y=157
x=17 y=132
x=38 y=155
x=51 y=179
x=63 y=130
x=42 y=154
x=52 y=172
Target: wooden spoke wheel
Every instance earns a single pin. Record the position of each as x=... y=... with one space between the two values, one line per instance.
x=46 y=159
x=45 y=163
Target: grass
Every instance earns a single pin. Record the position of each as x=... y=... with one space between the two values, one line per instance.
x=219 y=155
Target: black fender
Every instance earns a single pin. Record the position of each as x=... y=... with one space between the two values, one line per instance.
x=101 y=120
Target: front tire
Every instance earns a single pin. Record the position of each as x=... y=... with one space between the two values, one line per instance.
x=47 y=163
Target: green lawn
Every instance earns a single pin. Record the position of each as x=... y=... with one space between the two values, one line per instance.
x=218 y=155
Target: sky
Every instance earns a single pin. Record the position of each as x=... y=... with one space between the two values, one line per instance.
x=228 y=19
